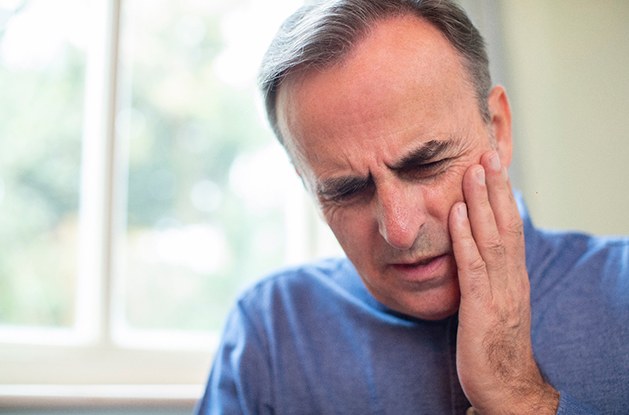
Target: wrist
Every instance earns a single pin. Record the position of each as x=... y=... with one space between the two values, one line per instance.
x=542 y=399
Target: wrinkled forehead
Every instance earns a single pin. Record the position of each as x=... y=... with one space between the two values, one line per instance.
x=400 y=57
x=376 y=57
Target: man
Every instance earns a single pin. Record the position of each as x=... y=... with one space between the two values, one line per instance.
x=387 y=112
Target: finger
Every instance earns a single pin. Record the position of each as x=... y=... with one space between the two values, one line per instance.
x=484 y=226
x=471 y=268
x=481 y=213
x=502 y=201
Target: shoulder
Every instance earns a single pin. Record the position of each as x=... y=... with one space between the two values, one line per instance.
x=558 y=254
x=580 y=274
x=572 y=251
x=311 y=297
x=307 y=276
x=297 y=286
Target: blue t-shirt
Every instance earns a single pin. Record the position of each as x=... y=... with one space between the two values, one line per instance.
x=312 y=340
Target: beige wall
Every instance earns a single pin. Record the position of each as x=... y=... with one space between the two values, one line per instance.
x=566 y=66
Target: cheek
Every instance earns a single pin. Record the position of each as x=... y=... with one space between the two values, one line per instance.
x=440 y=196
x=353 y=228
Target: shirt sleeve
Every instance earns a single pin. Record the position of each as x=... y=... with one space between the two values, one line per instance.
x=569 y=406
x=239 y=382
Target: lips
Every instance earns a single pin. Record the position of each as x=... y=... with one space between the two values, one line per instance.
x=418 y=262
x=423 y=270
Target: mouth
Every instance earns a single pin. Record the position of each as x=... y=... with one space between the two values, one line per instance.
x=424 y=269
x=418 y=262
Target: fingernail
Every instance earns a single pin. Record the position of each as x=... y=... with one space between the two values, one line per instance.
x=494 y=162
x=479 y=174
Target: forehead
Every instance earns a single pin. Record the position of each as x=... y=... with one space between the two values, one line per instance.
x=401 y=78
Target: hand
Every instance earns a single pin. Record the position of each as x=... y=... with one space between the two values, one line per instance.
x=495 y=360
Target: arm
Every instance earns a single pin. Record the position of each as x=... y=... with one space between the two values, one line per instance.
x=239 y=380
x=495 y=360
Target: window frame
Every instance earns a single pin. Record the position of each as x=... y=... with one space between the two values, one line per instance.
x=92 y=351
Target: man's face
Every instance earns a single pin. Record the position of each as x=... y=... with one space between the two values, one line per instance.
x=383 y=140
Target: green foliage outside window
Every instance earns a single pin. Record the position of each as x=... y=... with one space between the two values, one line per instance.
x=191 y=234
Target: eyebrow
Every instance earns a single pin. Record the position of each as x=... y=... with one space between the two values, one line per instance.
x=337 y=186
x=424 y=153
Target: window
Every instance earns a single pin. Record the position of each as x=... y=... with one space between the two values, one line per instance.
x=207 y=185
x=140 y=188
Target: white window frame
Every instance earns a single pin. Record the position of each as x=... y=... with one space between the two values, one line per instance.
x=38 y=362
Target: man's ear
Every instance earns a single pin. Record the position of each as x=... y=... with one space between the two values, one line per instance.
x=500 y=123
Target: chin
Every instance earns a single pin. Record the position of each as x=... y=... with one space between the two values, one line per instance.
x=435 y=315
x=431 y=306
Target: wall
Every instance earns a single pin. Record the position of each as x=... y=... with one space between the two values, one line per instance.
x=565 y=65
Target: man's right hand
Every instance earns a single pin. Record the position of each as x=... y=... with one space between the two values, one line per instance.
x=495 y=360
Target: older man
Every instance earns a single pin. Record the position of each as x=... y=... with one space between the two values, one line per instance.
x=387 y=112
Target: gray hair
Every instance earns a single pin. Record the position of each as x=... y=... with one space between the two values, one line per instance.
x=323 y=33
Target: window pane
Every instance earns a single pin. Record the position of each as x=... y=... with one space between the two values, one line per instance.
x=42 y=68
x=206 y=183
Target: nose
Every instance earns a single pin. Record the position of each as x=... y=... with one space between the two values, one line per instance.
x=400 y=214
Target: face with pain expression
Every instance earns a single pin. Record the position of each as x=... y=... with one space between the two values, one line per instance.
x=382 y=139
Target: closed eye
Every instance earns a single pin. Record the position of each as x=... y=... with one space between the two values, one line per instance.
x=428 y=160
x=424 y=171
